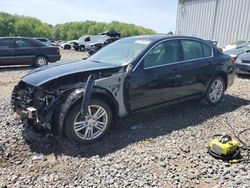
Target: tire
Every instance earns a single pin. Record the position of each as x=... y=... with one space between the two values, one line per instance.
x=82 y=48
x=88 y=132
x=40 y=61
x=215 y=90
x=67 y=47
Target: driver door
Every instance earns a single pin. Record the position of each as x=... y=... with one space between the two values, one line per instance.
x=154 y=80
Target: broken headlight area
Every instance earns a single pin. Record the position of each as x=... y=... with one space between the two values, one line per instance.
x=22 y=96
x=34 y=104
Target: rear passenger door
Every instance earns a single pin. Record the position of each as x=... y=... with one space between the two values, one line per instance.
x=24 y=53
x=197 y=67
x=6 y=51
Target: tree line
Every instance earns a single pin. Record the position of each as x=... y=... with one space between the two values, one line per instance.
x=16 y=25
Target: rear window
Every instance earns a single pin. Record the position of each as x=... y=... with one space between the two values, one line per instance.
x=5 y=44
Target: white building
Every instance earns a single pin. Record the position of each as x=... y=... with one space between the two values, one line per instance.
x=224 y=21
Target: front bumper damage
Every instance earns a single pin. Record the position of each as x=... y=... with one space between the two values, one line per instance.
x=43 y=116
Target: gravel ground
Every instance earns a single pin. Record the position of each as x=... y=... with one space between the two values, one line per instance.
x=161 y=147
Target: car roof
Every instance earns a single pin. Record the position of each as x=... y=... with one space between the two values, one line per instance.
x=161 y=37
x=16 y=38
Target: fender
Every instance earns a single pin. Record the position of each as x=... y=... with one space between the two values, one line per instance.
x=110 y=85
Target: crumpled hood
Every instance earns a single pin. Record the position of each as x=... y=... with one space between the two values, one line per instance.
x=47 y=73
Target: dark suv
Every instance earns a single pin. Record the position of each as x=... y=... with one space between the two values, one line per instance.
x=82 y=98
x=26 y=51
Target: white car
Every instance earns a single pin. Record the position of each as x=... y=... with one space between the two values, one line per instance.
x=67 y=45
x=235 y=45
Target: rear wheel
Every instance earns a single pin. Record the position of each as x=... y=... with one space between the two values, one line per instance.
x=67 y=47
x=96 y=123
x=40 y=61
x=215 y=90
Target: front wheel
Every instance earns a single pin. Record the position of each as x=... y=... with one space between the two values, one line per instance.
x=96 y=123
x=215 y=90
x=82 y=48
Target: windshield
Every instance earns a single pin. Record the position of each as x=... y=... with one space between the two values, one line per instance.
x=82 y=38
x=120 y=52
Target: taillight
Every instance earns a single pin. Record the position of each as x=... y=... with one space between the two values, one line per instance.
x=233 y=60
x=57 y=50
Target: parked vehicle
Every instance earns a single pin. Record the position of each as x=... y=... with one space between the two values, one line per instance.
x=58 y=43
x=67 y=45
x=83 y=98
x=96 y=41
x=26 y=51
x=235 y=45
x=234 y=53
x=44 y=40
x=79 y=45
x=111 y=33
x=243 y=64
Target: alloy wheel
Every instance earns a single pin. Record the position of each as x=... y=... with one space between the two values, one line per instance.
x=41 y=61
x=216 y=90
x=94 y=124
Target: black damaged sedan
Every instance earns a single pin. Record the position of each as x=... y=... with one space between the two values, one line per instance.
x=81 y=99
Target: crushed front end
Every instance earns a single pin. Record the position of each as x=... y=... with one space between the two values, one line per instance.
x=35 y=105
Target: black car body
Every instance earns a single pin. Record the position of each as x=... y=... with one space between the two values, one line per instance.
x=26 y=51
x=159 y=69
x=243 y=64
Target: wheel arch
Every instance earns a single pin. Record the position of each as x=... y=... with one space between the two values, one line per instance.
x=109 y=99
x=75 y=97
x=223 y=75
x=39 y=55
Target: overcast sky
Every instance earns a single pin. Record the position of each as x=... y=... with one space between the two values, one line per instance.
x=159 y=15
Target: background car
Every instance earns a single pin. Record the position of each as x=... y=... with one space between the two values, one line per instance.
x=79 y=45
x=44 y=40
x=235 y=45
x=234 y=53
x=243 y=64
x=111 y=33
x=83 y=98
x=67 y=45
x=93 y=41
x=26 y=51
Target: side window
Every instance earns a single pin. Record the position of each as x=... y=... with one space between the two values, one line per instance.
x=207 y=52
x=5 y=44
x=162 y=54
x=195 y=49
x=191 y=49
x=42 y=40
x=21 y=43
x=34 y=44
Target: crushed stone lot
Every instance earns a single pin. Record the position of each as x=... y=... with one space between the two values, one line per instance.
x=160 y=147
